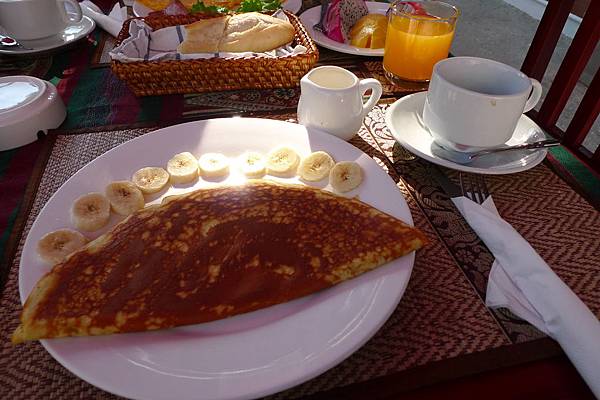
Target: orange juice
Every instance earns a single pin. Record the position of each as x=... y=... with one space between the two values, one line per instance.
x=414 y=44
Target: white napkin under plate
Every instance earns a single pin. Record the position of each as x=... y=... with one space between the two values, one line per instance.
x=143 y=44
x=521 y=281
x=111 y=23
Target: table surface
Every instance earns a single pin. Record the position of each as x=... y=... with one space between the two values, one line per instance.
x=514 y=360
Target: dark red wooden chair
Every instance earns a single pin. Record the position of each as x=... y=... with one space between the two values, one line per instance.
x=576 y=58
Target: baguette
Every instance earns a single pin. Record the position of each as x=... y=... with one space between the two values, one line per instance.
x=203 y=36
x=253 y=32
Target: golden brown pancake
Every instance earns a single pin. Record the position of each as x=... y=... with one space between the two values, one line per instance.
x=212 y=254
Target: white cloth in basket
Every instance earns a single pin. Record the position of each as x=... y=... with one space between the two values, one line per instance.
x=143 y=44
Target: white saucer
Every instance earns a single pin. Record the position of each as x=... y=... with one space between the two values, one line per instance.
x=404 y=119
x=72 y=33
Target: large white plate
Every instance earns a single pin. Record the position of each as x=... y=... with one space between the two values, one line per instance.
x=140 y=10
x=311 y=16
x=249 y=355
x=404 y=119
x=71 y=34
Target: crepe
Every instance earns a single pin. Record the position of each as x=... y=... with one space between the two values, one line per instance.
x=211 y=254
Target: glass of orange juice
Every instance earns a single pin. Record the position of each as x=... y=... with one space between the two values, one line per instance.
x=419 y=35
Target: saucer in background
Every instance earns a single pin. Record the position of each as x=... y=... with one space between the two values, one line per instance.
x=73 y=32
x=404 y=119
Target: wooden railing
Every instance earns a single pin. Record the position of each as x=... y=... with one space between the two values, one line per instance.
x=576 y=58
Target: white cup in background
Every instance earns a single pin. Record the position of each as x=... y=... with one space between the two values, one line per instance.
x=35 y=19
x=475 y=103
x=332 y=100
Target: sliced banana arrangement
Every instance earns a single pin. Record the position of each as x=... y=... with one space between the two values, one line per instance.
x=90 y=212
x=213 y=165
x=253 y=164
x=183 y=168
x=124 y=197
x=315 y=166
x=150 y=179
x=55 y=246
x=282 y=161
x=345 y=176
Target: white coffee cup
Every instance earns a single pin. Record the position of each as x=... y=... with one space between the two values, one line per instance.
x=332 y=100
x=475 y=103
x=36 y=19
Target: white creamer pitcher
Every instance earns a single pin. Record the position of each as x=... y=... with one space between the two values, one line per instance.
x=332 y=100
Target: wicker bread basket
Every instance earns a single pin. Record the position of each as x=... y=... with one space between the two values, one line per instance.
x=149 y=78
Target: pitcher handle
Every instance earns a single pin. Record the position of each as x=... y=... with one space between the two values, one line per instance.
x=75 y=7
x=377 y=91
x=534 y=97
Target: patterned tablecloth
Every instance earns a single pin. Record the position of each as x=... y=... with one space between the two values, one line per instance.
x=440 y=331
x=441 y=318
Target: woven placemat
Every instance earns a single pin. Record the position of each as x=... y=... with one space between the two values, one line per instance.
x=441 y=322
x=560 y=224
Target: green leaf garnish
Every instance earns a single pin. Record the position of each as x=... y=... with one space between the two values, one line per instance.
x=245 y=6
x=259 y=5
x=199 y=7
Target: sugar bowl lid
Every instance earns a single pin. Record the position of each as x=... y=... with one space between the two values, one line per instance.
x=28 y=105
x=16 y=92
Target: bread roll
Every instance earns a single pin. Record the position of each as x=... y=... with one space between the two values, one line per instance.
x=253 y=32
x=203 y=36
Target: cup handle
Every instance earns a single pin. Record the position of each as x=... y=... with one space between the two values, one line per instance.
x=377 y=91
x=74 y=7
x=534 y=97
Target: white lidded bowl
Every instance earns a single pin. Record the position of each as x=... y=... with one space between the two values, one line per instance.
x=28 y=105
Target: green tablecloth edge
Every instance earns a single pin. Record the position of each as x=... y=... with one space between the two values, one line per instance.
x=581 y=173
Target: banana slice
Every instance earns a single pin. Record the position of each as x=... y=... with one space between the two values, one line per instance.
x=213 y=165
x=150 y=179
x=345 y=176
x=253 y=164
x=283 y=161
x=316 y=166
x=55 y=246
x=183 y=168
x=90 y=212
x=124 y=197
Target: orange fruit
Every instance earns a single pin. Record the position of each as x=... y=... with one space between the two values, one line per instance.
x=369 y=32
x=361 y=38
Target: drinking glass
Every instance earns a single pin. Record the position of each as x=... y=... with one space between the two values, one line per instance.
x=419 y=35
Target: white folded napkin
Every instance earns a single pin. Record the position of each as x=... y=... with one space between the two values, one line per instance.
x=521 y=281
x=111 y=23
